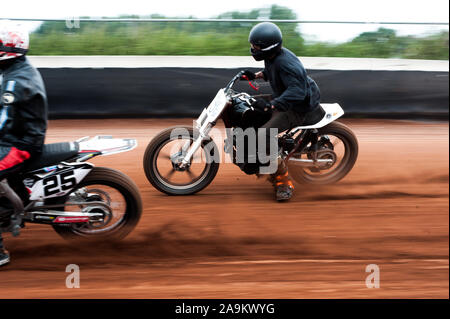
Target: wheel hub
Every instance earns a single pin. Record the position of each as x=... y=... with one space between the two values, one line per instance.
x=328 y=155
x=103 y=217
x=177 y=162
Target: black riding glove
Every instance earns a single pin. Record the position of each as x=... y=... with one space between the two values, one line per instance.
x=262 y=105
x=248 y=74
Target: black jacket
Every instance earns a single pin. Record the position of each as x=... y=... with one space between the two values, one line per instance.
x=291 y=86
x=23 y=106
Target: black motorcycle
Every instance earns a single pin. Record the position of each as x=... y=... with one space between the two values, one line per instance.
x=183 y=160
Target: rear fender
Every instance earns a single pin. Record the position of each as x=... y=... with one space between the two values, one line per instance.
x=333 y=111
x=105 y=145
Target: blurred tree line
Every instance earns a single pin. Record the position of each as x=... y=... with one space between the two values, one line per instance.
x=224 y=38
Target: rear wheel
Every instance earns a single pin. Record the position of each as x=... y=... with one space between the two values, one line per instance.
x=114 y=189
x=337 y=148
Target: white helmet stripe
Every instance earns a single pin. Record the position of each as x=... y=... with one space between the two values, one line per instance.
x=270 y=47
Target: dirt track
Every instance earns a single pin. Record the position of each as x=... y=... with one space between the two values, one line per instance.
x=233 y=241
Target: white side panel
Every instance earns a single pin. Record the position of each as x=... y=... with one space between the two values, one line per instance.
x=216 y=107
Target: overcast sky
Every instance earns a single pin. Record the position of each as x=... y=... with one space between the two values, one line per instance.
x=338 y=10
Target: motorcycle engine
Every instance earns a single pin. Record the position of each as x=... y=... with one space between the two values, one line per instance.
x=243 y=115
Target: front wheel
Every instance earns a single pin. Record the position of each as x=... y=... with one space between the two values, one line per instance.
x=338 y=150
x=166 y=151
x=114 y=189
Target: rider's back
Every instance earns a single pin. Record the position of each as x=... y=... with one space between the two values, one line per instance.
x=286 y=70
x=23 y=94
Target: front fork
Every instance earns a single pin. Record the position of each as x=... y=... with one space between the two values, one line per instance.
x=203 y=131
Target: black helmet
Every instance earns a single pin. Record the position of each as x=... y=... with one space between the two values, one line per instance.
x=268 y=37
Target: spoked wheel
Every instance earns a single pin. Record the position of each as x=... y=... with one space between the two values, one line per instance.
x=163 y=167
x=336 y=154
x=118 y=213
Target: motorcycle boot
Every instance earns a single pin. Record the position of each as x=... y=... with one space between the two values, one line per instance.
x=284 y=188
x=4 y=254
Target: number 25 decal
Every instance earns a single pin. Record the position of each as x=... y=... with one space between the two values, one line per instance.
x=59 y=183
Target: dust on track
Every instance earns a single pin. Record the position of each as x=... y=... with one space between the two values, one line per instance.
x=233 y=240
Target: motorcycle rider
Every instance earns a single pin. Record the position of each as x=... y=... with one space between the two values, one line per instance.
x=296 y=97
x=23 y=110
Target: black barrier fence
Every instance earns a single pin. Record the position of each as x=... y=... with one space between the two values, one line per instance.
x=184 y=92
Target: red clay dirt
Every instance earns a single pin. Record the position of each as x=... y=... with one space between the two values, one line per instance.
x=232 y=240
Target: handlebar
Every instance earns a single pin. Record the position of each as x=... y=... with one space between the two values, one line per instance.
x=233 y=81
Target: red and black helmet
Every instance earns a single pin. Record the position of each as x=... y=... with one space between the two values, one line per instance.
x=14 y=41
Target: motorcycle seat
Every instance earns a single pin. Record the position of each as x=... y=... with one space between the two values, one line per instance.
x=52 y=154
x=314 y=117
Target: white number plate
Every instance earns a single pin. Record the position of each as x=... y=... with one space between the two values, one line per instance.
x=217 y=105
x=59 y=184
